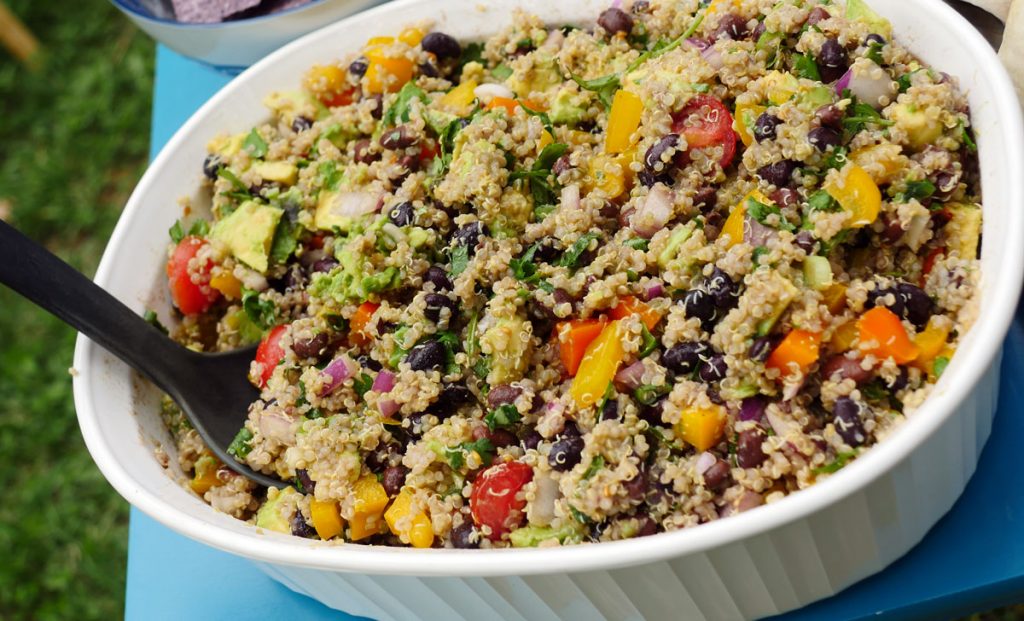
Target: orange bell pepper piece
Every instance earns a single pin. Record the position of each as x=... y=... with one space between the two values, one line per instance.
x=357 y=325
x=629 y=305
x=508 y=105
x=733 y=226
x=857 y=193
x=386 y=73
x=205 y=474
x=326 y=518
x=800 y=348
x=930 y=342
x=701 y=427
x=599 y=365
x=573 y=338
x=412 y=526
x=882 y=333
x=623 y=120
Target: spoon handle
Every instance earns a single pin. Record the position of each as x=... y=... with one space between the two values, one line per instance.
x=50 y=283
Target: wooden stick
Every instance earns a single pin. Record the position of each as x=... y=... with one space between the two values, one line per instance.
x=15 y=37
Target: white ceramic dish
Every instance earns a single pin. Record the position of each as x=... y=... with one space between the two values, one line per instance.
x=232 y=46
x=771 y=559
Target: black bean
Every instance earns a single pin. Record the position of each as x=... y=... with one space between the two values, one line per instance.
x=844 y=368
x=313 y=347
x=636 y=488
x=211 y=165
x=654 y=159
x=531 y=440
x=569 y=429
x=893 y=229
x=652 y=413
x=824 y=138
x=547 y=251
x=722 y=289
x=566 y=453
x=615 y=21
x=435 y=302
x=779 y=173
x=705 y=198
x=362 y=152
x=683 y=358
x=541 y=317
x=700 y=305
x=500 y=438
x=714 y=369
x=367 y=362
x=401 y=214
x=648 y=179
x=761 y=348
x=646 y=526
x=380 y=458
x=429 y=69
x=732 y=26
x=441 y=45
x=378 y=109
x=428 y=355
x=899 y=382
x=439 y=277
x=464 y=536
x=919 y=307
x=301 y=124
x=502 y=394
x=359 y=66
x=308 y=484
x=759 y=29
x=874 y=38
x=300 y=527
x=847 y=421
x=765 y=126
x=833 y=61
x=829 y=116
x=398 y=138
x=817 y=15
x=749 y=453
x=469 y=234
x=946 y=183
x=393 y=479
x=805 y=241
x=610 y=410
x=325 y=264
x=718 y=475
x=295 y=279
x=452 y=396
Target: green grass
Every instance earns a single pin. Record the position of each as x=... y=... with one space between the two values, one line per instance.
x=75 y=135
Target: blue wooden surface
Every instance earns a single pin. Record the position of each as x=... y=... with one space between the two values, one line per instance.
x=972 y=560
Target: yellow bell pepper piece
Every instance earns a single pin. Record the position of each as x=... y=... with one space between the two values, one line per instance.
x=733 y=226
x=834 y=297
x=930 y=342
x=363 y=525
x=545 y=140
x=781 y=87
x=206 y=474
x=227 y=284
x=855 y=191
x=326 y=518
x=746 y=117
x=417 y=530
x=380 y=41
x=882 y=161
x=370 y=495
x=623 y=120
x=600 y=363
x=386 y=73
x=324 y=79
x=411 y=36
x=844 y=336
x=460 y=99
x=606 y=174
x=701 y=427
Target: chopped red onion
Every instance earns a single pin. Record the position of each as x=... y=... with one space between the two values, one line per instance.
x=570 y=198
x=704 y=461
x=700 y=44
x=752 y=409
x=713 y=57
x=780 y=426
x=388 y=407
x=654 y=213
x=631 y=376
x=865 y=87
x=384 y=382
x=339 y=370
x=653 y=289
x=748 y=501
x=276 y=427
x=755 y=233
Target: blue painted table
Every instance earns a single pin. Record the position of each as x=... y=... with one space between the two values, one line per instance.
x=972 y=560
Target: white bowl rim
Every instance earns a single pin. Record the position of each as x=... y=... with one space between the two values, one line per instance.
x=287 y=550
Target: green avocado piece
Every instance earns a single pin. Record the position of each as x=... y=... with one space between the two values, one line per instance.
x=816 y=97
x=921 y=129
x=438 y=120
x=542 y=76
x=860 y=11
x=248 y=233
x=668 y=254
x=789 y=293
x=350 y=280
x=568 y=108
x=533 y=536
x=509 y=342
x=271 y=515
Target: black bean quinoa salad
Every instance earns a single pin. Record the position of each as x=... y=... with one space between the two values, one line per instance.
x=579 y=284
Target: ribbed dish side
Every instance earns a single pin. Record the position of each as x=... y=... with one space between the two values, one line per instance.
x=778 y=570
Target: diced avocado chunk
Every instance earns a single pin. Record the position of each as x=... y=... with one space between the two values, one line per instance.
x=226 y=146
x=438 y=120
x=349 y=281
x=540 y=77
x=741 y=391
x=276 y=513
x=418 y=236
x=679 y=236
x=921 y=128
x=508 y=344
x=248 y=233
x=816 y=97
x=280 y=172
x=290 y=104
x=965 y=230
x=568 y=108
x=787 y=295
x=532 y=536
x=817 y=272
x=334 y=209
x=860 y=11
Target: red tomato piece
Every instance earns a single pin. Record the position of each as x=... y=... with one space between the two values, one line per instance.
x=190 y=291
x=494 y=501
x=929 y=262
x=333 y=100
x=270 y=353
x=706 y=122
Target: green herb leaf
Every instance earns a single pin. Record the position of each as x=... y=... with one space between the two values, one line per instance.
x=572 y=256
x=760 y=212
x=833 y=466
x=755 y=256
x=286 y=240
x=966 y=139
x=241 y=445
x=255 y=145
x=647 y=343
x=262 y=313
x=637 y=243
x=648 y=393
x=399 y=111
x=904 y=81
x=604 y=87
x=523 y=268
x=472 y=52
x=239 y=187
x=330 y=176
x=875 y=52
x=837 y=158
x=456 y=457
x=150 y=317
x=915 y=190
x=176 y=232
x=362 y=384
x=805 y=67
x=504 y=415
x=596 y=464
x=459 y=259
x=578 y=515
x=822 y=201
x=860 y=115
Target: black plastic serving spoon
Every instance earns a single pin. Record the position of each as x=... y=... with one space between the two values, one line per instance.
x=212 y=389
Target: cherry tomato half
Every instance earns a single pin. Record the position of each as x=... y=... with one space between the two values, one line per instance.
x=270 y=353
x=494 y=501
x=706 y=122
x=190 y=291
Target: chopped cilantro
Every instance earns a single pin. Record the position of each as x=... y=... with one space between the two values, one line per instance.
x=637 y=243
x=875 y=52
x=471 y=53
x=841 y=460
x=916 y=190
x=459 y=259
x=150 y=317
x=362 y=384
x=822 y=201
x=523 y=268
x=596 y=464
x=399 y=111
x=837 y=158
x=755 y=256
x=330 y=176
x=263 y=313
x=543 y=193
x=648 y=393
x=504 y=415
x=456 y=456
x=648 y=343
x=199 y=228
x=760 y=212
x=241 y=191
x=966 y=139
x=241 y=445
x=571 y=257
x=255 y=145
x=860 y=115
x=805 y=67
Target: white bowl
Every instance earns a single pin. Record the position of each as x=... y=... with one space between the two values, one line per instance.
x=232 y=46
x=771 y=559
